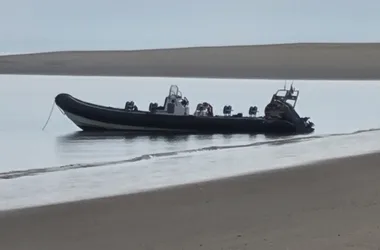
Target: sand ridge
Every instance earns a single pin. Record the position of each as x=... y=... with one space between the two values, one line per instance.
x=277 y=61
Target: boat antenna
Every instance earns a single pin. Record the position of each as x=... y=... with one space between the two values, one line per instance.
x=285 y=85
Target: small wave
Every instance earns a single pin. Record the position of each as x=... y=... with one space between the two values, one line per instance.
x=35 y=171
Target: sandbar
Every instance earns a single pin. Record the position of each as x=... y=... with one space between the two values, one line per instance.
x=335 y=61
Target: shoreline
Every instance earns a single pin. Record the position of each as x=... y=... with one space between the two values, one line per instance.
x=324 y=205
x=295 y=61
x=285 y=168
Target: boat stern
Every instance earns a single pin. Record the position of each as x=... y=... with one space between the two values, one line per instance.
x=307 y=126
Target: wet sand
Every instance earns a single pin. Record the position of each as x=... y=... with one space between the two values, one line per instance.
x=333 y=204
x=286 y=61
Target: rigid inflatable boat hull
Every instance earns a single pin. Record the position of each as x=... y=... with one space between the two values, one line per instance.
x=92 y=117
x=92 y=125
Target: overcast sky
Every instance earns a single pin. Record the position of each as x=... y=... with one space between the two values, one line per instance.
x=41 y=25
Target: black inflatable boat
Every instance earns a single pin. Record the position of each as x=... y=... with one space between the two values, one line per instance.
x=174 y=116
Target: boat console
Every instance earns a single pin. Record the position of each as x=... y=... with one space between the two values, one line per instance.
x=279 y=104
x=174 y=103
x=287 y=95
x=282 y=107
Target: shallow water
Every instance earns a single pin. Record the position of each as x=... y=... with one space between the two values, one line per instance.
x=60 y=164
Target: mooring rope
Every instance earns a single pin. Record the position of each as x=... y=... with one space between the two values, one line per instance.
x=51 y=112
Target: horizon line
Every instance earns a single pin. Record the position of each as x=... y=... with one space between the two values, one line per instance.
x=190 y=47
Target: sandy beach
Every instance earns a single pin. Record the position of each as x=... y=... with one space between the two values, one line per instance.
x=333 y=204
x=283 y=61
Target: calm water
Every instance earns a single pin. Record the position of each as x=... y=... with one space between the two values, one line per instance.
x=60 y=164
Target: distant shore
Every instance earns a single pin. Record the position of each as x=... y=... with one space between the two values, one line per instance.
x=327 y=205
x=336 y=61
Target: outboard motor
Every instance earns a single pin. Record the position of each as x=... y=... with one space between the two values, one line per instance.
x=308 y=124
x=130 y=106
x=252 y=111
x=281 y=110
x=153 y=107
x=227 y=109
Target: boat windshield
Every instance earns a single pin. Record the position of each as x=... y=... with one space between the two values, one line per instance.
x=287 y=95
x=174 y=90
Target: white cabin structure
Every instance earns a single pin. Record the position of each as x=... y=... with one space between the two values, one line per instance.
x=174 y=103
